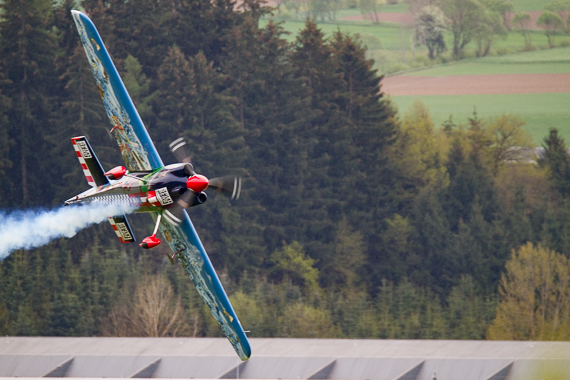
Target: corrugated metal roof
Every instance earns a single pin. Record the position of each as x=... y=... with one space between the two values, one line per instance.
x=213 y=358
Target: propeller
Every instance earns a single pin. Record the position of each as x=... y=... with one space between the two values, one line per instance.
x=175 y=213
x=178 y=148
x=229 y=185
x=193 y=194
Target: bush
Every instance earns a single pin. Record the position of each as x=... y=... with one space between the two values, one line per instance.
x=529 y=47
x=503 y=50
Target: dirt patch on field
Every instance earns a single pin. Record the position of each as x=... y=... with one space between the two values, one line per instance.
x=533 y=16
x=476 y=84
x=406 y=18
x=398 y=18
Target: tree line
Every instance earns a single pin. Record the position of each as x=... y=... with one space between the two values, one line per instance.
x=481 y=22
x=355 y=220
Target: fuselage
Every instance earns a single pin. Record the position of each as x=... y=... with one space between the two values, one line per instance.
x=148 y=191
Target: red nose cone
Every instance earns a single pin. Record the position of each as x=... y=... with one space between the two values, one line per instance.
x=197 y=183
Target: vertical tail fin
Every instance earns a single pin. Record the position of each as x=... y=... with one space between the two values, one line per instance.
x=91 y=167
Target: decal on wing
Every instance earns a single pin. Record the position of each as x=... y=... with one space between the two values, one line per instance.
x=184 y=242
x=137 y=148
x=121 y=227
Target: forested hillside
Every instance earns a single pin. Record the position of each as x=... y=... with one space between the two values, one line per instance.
x=356 y=219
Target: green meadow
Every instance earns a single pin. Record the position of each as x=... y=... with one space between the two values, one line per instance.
x=551 y=61
x=476 y=68
x=541 y=111
x=390 y=47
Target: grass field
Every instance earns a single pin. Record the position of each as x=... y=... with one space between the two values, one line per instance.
x=476 y=68
x=541 y=111
x=529 y=5
x=388 y=36
x=551 y=61
x=389 y=44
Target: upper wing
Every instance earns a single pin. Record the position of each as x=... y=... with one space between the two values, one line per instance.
x=184 y=241
x=136 y=146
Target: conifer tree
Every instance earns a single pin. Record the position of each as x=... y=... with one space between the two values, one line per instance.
x=5 y=162
x=556 y=158
x=272 y=108
x=174 y=102
x=143 y=32
x=80 y=112
x=27 y=52
x=324 y=134
x=203 y=26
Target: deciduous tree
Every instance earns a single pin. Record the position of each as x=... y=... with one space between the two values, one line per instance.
x=430 y=25
x=534 y=297
x=292 y=263
x=152 y=311
x=562 y=8
x=464 y=16
x=551 y=22
x=523 y=22
x=490 y=25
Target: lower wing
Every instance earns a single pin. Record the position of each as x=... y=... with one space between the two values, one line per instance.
x=185 y=243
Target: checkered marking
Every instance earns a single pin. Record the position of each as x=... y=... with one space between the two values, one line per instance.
x=82 y=151
x=121 y=230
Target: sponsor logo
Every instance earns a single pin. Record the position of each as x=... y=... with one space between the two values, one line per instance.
x=163 y=196
x=84 y=149
x=124 y=231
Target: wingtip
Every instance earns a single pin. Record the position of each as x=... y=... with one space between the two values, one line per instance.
x=80 y=15
x=245 y=353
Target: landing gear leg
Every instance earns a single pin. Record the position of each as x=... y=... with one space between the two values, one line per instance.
x=152 y=241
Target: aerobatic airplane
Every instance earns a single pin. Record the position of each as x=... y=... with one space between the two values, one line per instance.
x=149 y=186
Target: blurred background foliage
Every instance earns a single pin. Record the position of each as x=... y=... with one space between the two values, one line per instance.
x=357 y=220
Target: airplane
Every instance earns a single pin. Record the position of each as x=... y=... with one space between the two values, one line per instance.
x=147 y=185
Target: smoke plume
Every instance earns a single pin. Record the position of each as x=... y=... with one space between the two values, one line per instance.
x=34 y=228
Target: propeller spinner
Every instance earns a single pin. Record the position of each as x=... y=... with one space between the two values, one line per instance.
x=197 y=183
x=229 y=185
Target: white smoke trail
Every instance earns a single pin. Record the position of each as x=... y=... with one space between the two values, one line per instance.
x=33 y=228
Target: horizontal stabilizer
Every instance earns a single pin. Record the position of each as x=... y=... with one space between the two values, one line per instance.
x=121 y=226
x=91 y=167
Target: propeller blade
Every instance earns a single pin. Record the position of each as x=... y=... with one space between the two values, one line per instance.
x=174 y=213
x=230 y=186
x=179 y=150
